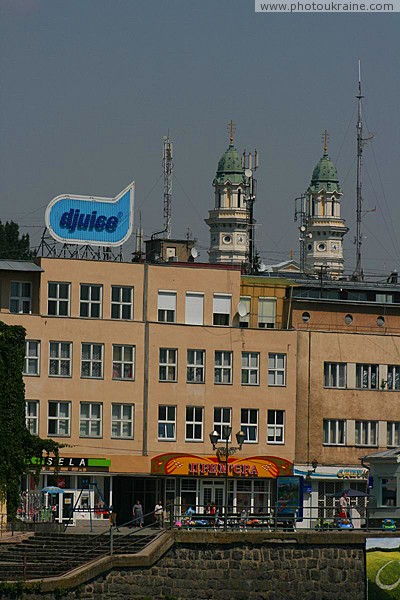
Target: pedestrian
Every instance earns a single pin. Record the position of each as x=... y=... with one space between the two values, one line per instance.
x=343 y=505
x=159 y=514
x=137 y=511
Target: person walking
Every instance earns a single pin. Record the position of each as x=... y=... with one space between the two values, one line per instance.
x=343 y=505
x=159 y=514
x=137 y=511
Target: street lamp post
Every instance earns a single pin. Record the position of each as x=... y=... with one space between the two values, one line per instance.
x=225 y=451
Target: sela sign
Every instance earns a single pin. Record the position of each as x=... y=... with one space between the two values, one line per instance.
x=89 y=220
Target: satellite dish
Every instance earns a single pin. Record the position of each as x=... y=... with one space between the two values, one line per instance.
x=194 y=253
x=242 y=310
x=302 y=228
x=248 y=173
x=262 y=268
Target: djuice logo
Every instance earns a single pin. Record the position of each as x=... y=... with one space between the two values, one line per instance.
x=74 y=220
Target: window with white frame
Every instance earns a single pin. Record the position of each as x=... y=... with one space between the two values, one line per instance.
x=32 y=416
x=20 y=297
x=90 y=300
x=32 y=357
x=367 y=377
x=122 y=421
x=393 y=433
x=194 y=309
x=166 y=422
x=121 y=302
x=223 y=367
x=60 y=359
x=222 y=309
x=250 y=368
x=249 y=424
x=92 y=360
x=194 y=423
x=276 y=426
x=244 y=321
x=393 y=377
x=123 y=366
x=366 y=433
x=335 y=375
x=166 y=307
x=267 y=313
x=195 y=366
x=334 y=432
x=90 y=419
x=59 y=418
x=222 y=417
x=168 y=364
x=276 y=369
x=58 y=297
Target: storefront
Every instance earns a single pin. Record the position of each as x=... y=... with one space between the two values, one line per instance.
x=384 y=484
x=191 y=480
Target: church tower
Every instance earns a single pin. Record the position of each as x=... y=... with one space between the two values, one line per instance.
x=323 y=229
x=229 y=219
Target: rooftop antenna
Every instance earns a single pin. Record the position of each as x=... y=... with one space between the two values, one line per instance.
x=168 y=167
x=358 y=274
x=250 y=165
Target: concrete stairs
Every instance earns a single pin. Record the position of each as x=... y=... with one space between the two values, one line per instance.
x=51 y=555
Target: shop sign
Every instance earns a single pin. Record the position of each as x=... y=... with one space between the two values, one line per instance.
x=66 y=462
x=73 y=219
x=210 y=466
x=352 y=473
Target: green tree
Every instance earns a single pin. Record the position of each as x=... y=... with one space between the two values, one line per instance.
x=12 y=246
x=17 y=445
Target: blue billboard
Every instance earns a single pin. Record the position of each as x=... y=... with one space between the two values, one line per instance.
x=73 y=219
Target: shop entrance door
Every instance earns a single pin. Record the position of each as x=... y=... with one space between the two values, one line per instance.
x=68 y=504
x=212 y=493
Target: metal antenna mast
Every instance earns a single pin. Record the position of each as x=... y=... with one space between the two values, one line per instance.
x=250 y=164
x=358 y=274
x=168 y=167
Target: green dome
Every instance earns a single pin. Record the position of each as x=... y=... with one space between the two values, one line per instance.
x=324 y=176
x=230 y=167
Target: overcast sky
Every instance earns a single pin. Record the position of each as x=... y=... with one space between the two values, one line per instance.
x=90 y=87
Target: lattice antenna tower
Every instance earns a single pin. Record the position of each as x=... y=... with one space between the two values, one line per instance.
x=168 y=167
x=358 y=274
x=250 y=165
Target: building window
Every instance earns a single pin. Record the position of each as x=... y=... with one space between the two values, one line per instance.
x=21 y=297
x=244 y=321
x=222 y=416
x=58 y=299
x=59 y=418
x=334 y=432
x=194 y=308
x=267 y=313
x=393 y=377
x=389 y=491
x=195 y=366
x=166 y=422
x=367 y=377
x=92 y=360
x=167 y=307
x=122 y=421
x=277 y=369
x=167 y=365
x=90 y=300
x=221 y=310
x=250 y=368
x=123 y=362
x=393 y=433
x=32 y=356
x=335 y=375
x=90 y=423
x=121 y=302
x=32 y=416
x=249 y=424
x=223 y=367
x=276 y=427
x=194 y=424
x=366 y=433
x=60 y=359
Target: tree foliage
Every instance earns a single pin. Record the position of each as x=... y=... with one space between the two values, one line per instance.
x=12 y=246
x=17 y=445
